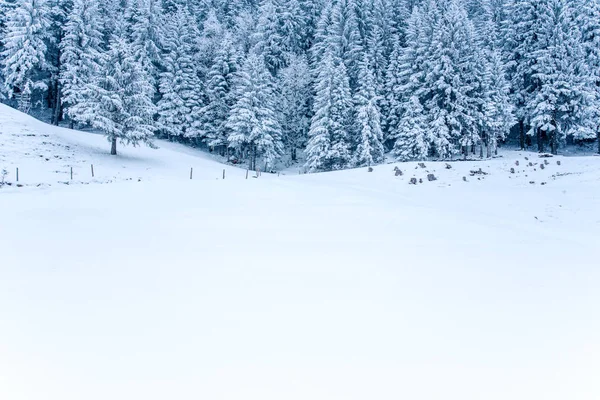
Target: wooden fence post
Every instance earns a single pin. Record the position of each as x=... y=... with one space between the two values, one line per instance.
x=223 y=174
x=191 y=173
x=92 y=165
x=17 y=174
x=247 y=173
x=71 y=173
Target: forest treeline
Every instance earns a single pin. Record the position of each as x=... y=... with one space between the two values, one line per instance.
x=343 y=81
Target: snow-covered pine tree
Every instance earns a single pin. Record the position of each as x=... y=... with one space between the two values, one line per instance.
x=520 y=38
x=212 y=34
x=393 y=94
x=589 y=21
x=269 y=40
x=293 y=27
x=309 y=15
x=405 y=83
x=25 y=47
x=60 y=9
x=369 y=136
x=6 y=9
x=117 y=101
x=497 y=112
x=244 y=29
x=180 y=85
x=81 y=53
x=561 y=104
x=413 y=138
x=321 y=34
x=330 y=131
x=452 y=80
x=220 y=97
x=145 y=36
x=253 y=122
x=295 y=95
x=378 y=40
x=344 y=38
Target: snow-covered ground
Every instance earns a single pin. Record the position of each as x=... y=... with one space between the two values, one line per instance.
x=346 y=285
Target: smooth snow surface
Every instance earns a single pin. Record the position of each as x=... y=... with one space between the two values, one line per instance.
x=347 y=285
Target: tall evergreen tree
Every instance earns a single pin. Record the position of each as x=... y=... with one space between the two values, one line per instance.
x=589 y=21
x=116 y=101
x=369 y=136
x=330 y=131
x=268 y=38
x=180 y=85
x=25 y=46
x=220 y=96
x=81 y=53
x=294 y=102
x=561 y=104
x=253 y=122
x=344 y=38
x=145 y=36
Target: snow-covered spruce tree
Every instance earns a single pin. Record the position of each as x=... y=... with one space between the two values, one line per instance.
x=497 y=115
x=60 y=9
x=344 y=39
x=369 y=136
x=268 y=38
x=454 y=81
x=294 y=27
x=561 y=104
x=220 y=97
x=405 y=79
x=212 y=34
x=321 y=34
x=378 y=40
x=413 y=140
x=392 y=94
x=520 y=38
x=330 y=131
x=25 y=46
x=589 y=21
x=294 y=103
x=180 y=85
x=145 y=36
x=496 y=110
x=6 y=9
x=81 y=53
x=441 y=69
x=309 y=15
x=253 y=122
x=117 y=101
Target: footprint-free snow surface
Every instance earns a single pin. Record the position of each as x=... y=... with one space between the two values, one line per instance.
x=140 y=283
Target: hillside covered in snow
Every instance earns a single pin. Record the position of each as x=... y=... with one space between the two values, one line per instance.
x=141 y=283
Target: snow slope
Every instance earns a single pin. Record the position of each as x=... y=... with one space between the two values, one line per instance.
x=45 y=154
x=346 y=285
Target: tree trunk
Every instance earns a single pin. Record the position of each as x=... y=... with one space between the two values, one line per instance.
x=480 y=148
x=522 y=134
x=598 y=135
x=57 y=105
x=553 y=144
x=294 y=155
x=113 y=147
x=540 y=140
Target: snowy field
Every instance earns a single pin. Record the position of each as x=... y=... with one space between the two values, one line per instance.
x=140 y=283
